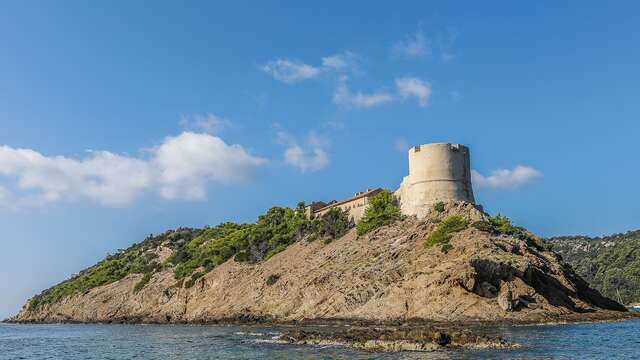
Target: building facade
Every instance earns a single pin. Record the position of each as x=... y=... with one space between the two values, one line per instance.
x=353 y=206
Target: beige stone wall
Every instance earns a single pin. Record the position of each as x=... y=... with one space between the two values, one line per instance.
x=437 y=172
x=355 y=208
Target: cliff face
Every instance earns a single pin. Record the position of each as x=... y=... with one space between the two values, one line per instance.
x=387 y=274
x=610 y=263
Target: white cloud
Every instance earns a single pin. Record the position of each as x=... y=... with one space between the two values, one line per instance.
x=314 y=160
x=311 y=155
x=415 y=45
x=180 y=167
x=290 y=71
x=294 y=71
x=505 y=178
x=343 y=61
x=414 y=87
x=344 y=97
x=187 y=162
x=208 y=122
x=105 y=177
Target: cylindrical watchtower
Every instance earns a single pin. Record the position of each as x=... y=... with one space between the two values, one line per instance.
x=437 y=172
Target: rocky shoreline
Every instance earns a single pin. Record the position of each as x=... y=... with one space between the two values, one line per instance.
x=252 y=319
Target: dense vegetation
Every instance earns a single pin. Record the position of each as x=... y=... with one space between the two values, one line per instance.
x=443 y=232
x=611 y=264
x=197 y=251
x=383 y=210
x=271 y=234
x=332 y=225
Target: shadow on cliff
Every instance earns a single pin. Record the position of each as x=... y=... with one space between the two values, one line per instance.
x=549 y=287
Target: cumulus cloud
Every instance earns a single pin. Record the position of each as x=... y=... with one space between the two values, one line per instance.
x=308 y=155
x=414 y=87
x=104 y=176
x=208 y=122
x=505 y=178
x=290 y=71
x=415 y=45
x=180 y=167
x=345 y=98
x=186 y=163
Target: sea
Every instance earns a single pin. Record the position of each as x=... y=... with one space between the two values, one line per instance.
x=608 y=340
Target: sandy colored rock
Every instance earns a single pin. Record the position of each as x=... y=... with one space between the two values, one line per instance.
x=386 y=275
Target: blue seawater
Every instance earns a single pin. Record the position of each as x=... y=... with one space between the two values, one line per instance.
x=612 y=340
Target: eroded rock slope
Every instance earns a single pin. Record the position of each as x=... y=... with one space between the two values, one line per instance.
x=385 y=275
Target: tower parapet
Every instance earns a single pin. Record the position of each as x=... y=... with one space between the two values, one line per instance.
x=437 y=172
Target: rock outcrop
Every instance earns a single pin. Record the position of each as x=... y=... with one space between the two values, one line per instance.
x=385 y=275
x=406 y=338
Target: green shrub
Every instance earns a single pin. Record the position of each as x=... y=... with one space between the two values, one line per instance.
x=439 y=206
x=140 y=284
x=275 y=250
x=484 y=226
x=185 y=269
x=444 y=230
x=272 y=279
x=332 y=224
x=382 y=210
x=501 y=225
x=242 y=256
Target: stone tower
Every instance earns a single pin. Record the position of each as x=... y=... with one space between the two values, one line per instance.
x=437 y=172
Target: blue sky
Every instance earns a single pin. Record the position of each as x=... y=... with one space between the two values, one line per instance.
x=118 y=120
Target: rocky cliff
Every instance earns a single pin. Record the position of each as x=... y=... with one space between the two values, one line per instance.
x=387 y=274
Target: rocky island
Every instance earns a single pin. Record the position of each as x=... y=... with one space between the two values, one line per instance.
x=448 y=262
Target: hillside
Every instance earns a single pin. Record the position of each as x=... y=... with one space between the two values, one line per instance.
x=611 y=264
x=459 y=265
